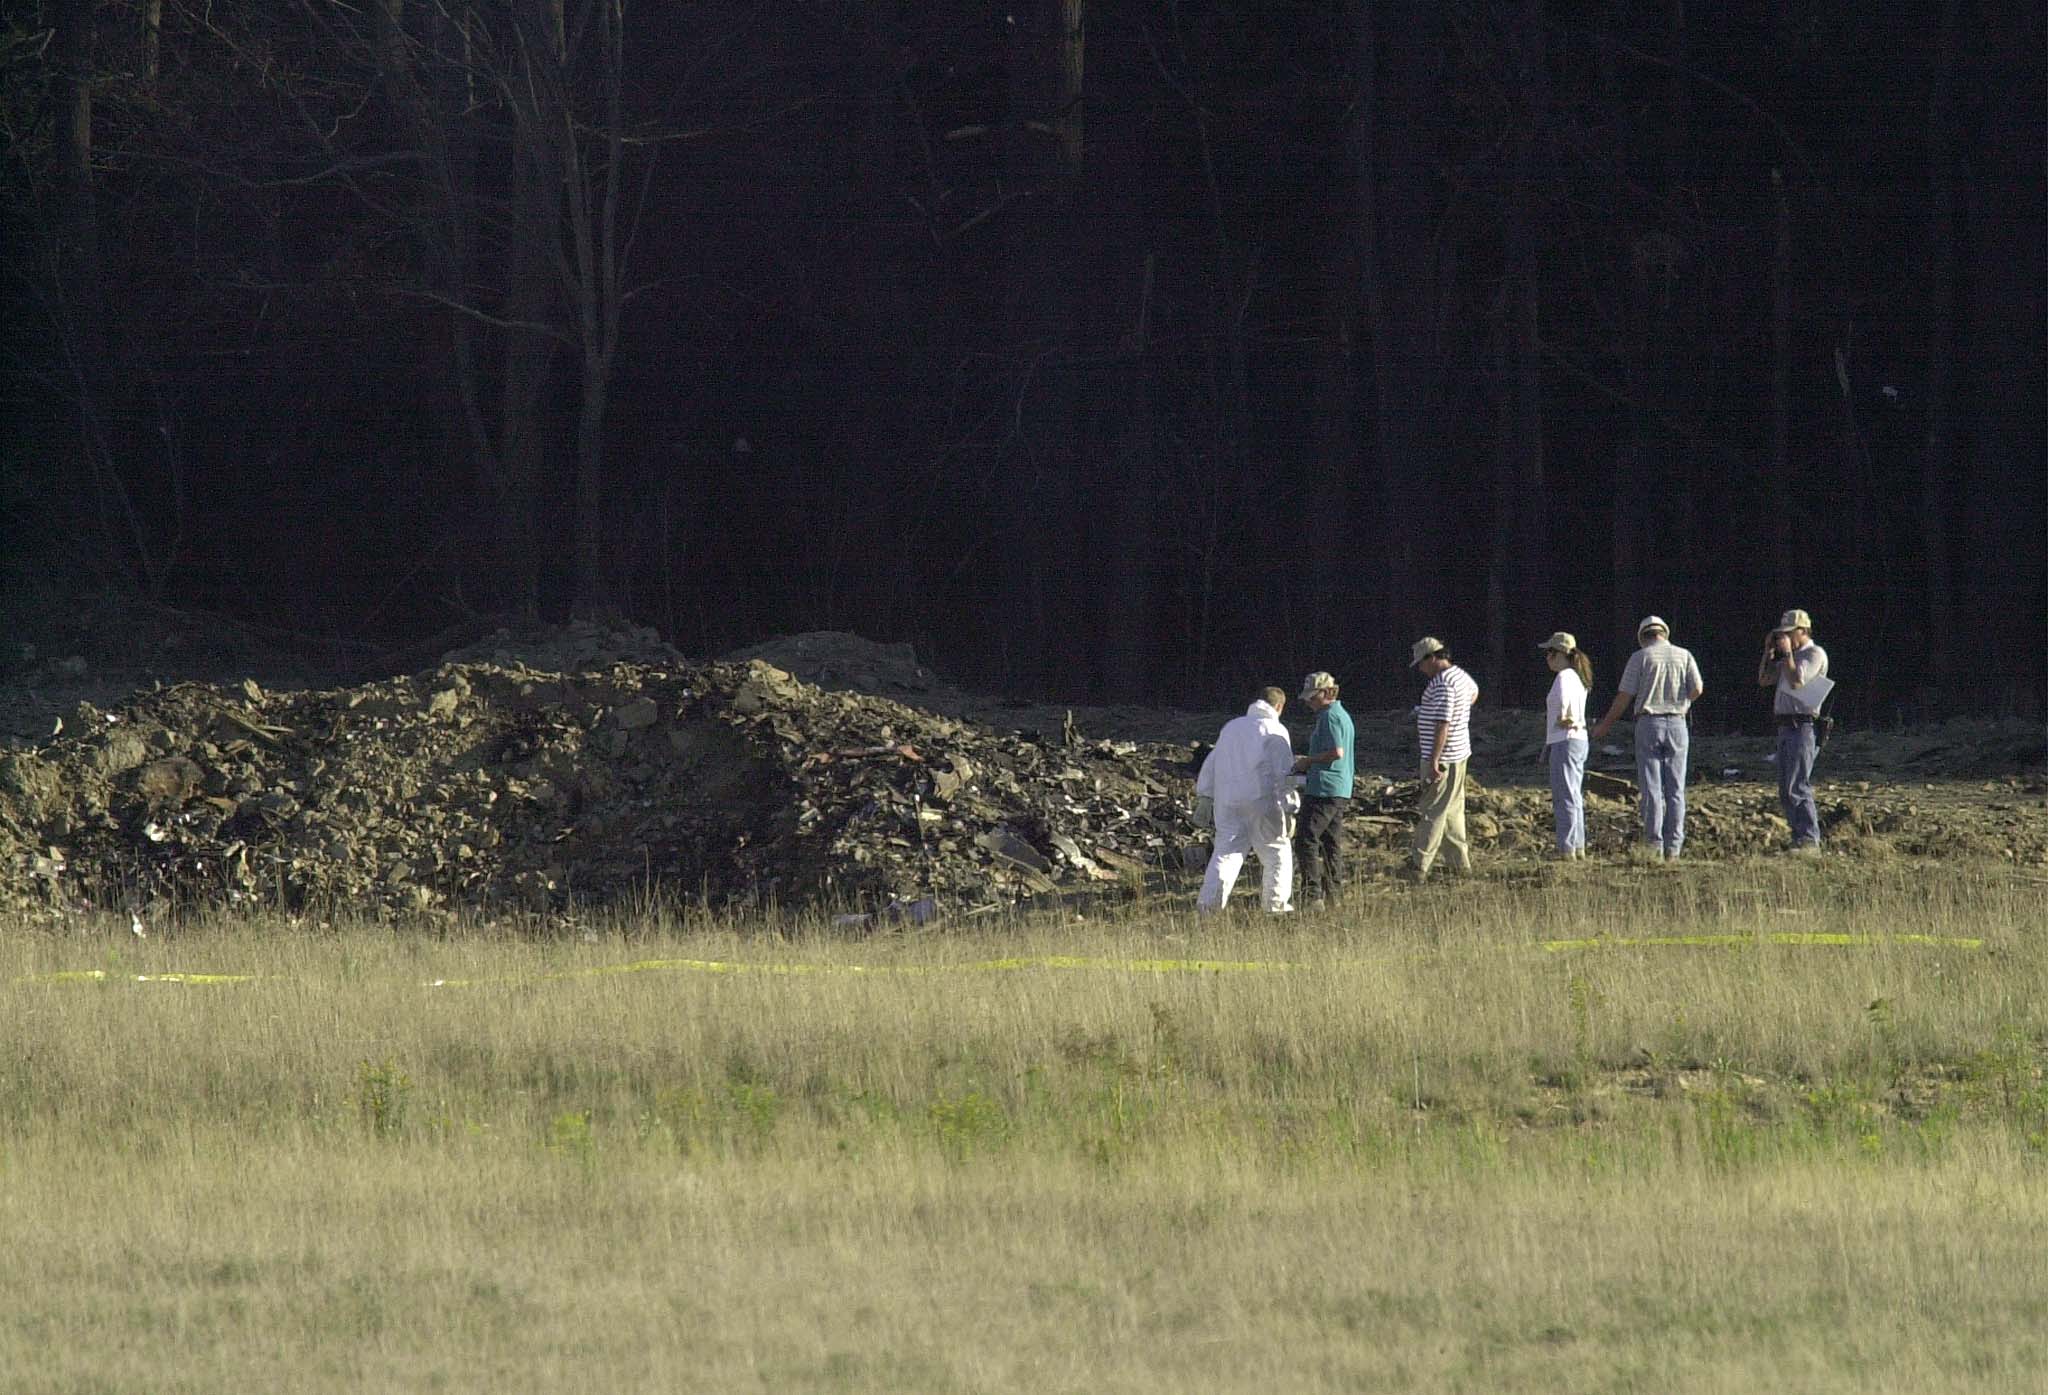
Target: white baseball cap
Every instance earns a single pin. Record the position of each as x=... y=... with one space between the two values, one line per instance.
x=1652 y=622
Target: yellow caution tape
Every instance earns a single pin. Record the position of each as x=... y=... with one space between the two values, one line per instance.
x=1041 y=961
x=102 y=976
x=1784 y=937
x=1057 y=961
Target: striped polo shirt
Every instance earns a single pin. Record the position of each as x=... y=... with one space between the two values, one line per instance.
x=1448 y=698
x=1662 y=678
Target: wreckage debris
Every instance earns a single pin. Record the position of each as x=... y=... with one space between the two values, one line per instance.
x=484 y=785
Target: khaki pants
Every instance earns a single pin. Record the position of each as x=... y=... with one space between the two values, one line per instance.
x=1442 y=806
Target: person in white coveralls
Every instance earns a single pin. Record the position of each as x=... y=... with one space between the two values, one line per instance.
x=1247 y=779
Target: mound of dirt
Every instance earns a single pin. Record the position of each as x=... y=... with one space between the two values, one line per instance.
x=484 y=785
x=839 y=661
x=580 y=646
x=586 y=765
x=57 y=650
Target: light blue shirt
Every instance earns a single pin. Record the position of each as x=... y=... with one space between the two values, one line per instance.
x=1331 y=779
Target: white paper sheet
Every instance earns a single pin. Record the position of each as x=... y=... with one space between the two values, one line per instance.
x=1809 y=698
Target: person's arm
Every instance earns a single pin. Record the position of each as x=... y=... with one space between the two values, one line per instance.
x=1801 y=667
x=1767 y=667
x=1699 y=684
x=1567 y=701
x=1322 y=732
x=1436 y=750
x=1279 y=763
x=1205 y=782
x=1614 y=713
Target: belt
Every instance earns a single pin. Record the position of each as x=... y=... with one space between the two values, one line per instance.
x=1793 y=719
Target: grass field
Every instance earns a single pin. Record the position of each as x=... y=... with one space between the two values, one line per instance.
x=1404 y=1148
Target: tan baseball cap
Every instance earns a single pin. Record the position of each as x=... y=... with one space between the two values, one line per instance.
x=1423 y=648
x=1794 y=620
x=1564 y=642
x=1317 y=682
x=1652 y=622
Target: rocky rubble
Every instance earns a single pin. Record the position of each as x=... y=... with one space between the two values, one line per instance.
x=589 y=766
x=486 y=785
x=576 y=647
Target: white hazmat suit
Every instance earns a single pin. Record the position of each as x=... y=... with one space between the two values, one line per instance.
x=1246 y=777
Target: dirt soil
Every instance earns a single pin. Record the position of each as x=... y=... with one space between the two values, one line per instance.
x=593 y=766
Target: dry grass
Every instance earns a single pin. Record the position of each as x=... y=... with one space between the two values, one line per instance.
x=1426 y=1155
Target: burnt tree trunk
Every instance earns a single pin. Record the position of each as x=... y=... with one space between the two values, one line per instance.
x=1531 y=576
x=1399 y=49
x=2005 y=392
x=152 y=43
x=1937 y=457
x=1629 y=529
x=1037 y=587
x=1129 y=620
x=1779 y=467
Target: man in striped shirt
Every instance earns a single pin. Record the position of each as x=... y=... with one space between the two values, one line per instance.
x=1443 y=726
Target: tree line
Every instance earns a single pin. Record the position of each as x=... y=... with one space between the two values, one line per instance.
x=1105 y=351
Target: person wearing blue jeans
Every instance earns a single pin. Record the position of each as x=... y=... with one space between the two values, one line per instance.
x=1662 y=743
x=1798 y=669
x=1660 y=683
x=1796 y=747
x=1564 y=739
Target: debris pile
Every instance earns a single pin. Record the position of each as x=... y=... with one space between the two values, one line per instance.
x=839 y=661
x=579 y=646
x=588 y=765
x=485 y=785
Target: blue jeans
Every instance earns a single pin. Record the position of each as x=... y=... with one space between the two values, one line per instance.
x=1661 y=744
x=1567 y=798
x=1795 y=783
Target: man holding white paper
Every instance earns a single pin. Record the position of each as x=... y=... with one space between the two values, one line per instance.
x=1798 y=668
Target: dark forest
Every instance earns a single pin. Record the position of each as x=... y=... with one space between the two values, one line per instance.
x=1107 y=352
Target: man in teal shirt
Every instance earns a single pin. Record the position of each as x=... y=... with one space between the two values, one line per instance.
x=1325 y=793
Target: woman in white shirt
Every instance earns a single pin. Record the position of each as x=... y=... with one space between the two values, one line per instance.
x=1564 y=739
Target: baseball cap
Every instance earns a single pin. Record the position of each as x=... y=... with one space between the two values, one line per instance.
x=1316 y=682
x=1652 y=622
x=1423 y=648
x=1795 y=620
x=1563 y=642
